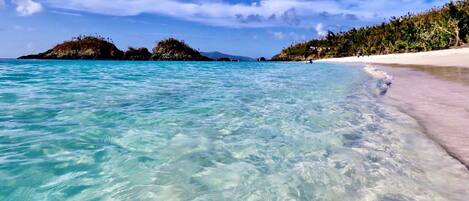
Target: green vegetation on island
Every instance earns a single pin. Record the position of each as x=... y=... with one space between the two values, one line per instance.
x=174 y=50
x=82 y=47
x=137 y=54
x=100 y=48
x=439 y=28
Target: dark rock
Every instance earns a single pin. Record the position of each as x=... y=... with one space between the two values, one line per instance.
x=261 y=59
x=137 y=54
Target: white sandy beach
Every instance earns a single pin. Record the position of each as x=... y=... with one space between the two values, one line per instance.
x=433 y=87
x=450 y=57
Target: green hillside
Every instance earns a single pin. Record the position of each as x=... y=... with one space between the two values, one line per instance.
x=439 y=28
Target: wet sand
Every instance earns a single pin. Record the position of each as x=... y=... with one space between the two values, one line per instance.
x=438 y=97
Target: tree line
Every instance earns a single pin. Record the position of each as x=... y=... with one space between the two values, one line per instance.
x=438 y=28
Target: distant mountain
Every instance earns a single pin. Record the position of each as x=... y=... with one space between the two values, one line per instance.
x=219 y=55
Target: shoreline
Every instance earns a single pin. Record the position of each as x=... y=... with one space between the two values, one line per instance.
x=433 y=88
x=443 y=58
x=440 y=106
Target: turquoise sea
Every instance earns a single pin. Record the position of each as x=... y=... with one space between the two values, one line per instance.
x=115 y=130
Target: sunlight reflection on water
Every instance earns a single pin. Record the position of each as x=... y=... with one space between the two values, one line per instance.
x=83 y=130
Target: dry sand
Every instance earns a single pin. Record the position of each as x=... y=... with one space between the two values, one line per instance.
x=451 y=57
x=437 y=96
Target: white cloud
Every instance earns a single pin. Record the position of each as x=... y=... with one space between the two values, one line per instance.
x=297 y=37
x=2 y=3
x=320 y=29
x=66 y=13
x=263 y=13
x=278 y=35
x=290 y=36
x=22 y=28
x=27 y=7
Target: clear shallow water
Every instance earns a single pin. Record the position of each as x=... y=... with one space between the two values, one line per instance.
x=97 y=130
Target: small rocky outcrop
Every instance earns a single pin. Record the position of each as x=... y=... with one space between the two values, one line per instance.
x=83 y=47
x=175 y=50
x=261 y=59
x=137 y=54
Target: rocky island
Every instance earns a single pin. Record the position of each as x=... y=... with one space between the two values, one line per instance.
x=82 y=47
x=175 y=50
x=99 y=48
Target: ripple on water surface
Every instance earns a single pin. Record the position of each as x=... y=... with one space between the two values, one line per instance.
x=100 y=130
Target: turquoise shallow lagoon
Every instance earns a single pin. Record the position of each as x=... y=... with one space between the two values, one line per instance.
x=102 y=130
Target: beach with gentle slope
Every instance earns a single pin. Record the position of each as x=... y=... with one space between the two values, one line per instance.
x=450 y=57
x=432 y=87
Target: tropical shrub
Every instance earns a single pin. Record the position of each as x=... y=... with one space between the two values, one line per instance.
x=438 y=28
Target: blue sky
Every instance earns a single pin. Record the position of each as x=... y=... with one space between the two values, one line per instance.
x=243 y=27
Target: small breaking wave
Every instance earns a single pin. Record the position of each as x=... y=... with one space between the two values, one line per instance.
x=384 y=79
